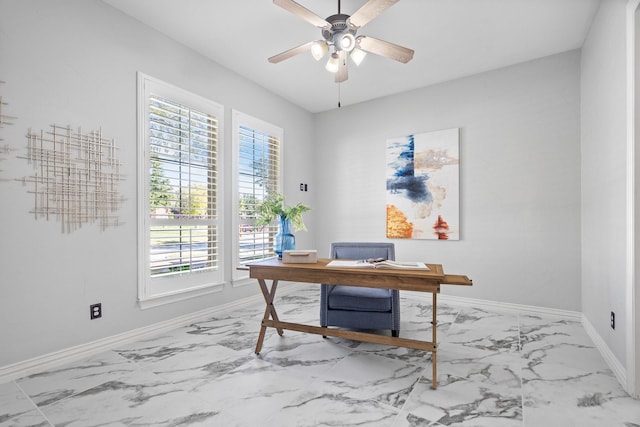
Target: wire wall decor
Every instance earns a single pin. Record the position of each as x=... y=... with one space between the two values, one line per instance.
x=4 y=119
x=5 y=149
x=76 y=177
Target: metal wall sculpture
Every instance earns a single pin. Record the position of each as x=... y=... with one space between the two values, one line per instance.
x=4 y=119
x=76 y=177
x=5 y=149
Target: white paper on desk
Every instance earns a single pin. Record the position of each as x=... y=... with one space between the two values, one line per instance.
x=382 y=265
x=349 y=264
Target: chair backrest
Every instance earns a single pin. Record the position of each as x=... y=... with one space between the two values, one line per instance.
x=362 y=250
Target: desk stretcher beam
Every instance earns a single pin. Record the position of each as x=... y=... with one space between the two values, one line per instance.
x=353 y=335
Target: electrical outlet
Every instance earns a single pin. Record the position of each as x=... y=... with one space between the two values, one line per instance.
x=613 y=320
x=95 y=311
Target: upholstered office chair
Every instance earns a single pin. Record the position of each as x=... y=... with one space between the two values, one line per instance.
x=359 y=307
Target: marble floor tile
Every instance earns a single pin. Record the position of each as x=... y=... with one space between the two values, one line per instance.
x=13 y=402
x=323 y=404
x=592 y=399
x=234 y=330
x=312 y=355
x=482 y=332
x=538 y=332
x=454 y=362
x=33 y=418
x=183 y=357
x=50 y=386
x=464 y=402
x=417 y=316
x=408 y=355
x=300 y=306
x=415 y=323
x=365 y=376
x=253 y=392
x=136 y=398
x=494 y=369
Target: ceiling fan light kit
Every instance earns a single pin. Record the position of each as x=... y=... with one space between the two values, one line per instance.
x=340 y=37
x=357 y=55
x=333 y=63
x=319 y=49
x=347 y=42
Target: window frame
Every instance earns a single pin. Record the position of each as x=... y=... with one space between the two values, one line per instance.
x=238 y=119
x=154 y=291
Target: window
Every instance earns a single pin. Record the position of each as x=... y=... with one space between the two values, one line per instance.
x=179 y=200
x=257 y=148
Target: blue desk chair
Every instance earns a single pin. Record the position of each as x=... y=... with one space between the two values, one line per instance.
x=356 y=307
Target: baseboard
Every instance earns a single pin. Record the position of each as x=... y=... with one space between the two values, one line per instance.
x=71 y=354
x=614 y=364
x=68 y=355
x=503 y=307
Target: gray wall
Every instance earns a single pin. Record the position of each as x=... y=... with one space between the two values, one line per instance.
x=75 y=62
x=519 y=178
x=636 y=201
x=604 y=175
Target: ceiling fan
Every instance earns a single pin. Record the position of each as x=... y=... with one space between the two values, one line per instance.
x=339 y=36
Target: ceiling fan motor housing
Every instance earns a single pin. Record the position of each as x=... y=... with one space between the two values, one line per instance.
x=339 y=30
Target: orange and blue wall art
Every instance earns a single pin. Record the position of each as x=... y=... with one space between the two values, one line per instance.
x=423 y=186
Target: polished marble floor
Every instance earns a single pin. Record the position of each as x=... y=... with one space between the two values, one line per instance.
x=494 y=369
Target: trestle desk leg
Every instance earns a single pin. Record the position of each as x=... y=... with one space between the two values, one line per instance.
x=434 y=353
x=269 y=311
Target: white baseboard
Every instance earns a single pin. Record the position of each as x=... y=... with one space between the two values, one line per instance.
x=614 y=364
x=68 y=355
x=71 y=354
x=503 y=307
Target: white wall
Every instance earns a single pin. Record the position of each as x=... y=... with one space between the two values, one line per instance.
x=75 y=62
x=519 y=183
x=604 y=179
x=633 y=363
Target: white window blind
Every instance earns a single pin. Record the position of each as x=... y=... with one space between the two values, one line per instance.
x=179 y=203
x=182 y=199
x=258 y=175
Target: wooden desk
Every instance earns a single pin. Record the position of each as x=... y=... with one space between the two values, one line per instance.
x=406 y=280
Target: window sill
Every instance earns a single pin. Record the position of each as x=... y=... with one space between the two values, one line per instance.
x=168 y=298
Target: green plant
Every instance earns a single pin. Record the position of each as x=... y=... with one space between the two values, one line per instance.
x=274 y=207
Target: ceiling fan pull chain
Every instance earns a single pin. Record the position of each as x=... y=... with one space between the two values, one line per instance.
x=339 y=85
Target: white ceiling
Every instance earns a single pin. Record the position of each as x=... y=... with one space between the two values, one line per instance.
x=451 y=39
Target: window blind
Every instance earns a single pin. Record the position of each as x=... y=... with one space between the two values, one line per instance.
x=258 y=176
x=182 y=188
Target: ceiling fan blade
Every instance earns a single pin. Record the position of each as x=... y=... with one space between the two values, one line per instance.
x=291 y=52
x=302 y=12
x=369 y=11
x=343 y=73
x=386 y=49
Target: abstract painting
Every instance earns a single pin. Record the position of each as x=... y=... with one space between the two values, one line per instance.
x=423 y=186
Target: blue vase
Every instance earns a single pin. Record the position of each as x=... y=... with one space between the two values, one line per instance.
x=285 y=240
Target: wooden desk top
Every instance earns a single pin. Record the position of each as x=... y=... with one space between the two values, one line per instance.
x=413 y=280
